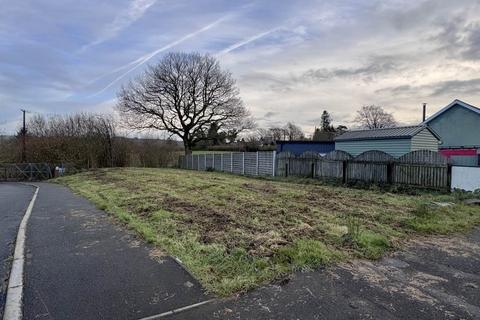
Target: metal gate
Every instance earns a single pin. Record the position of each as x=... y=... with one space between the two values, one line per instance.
x=25 y=171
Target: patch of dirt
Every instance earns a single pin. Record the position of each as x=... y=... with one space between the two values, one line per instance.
x=267 y=188
x=157 y=254
x=261 y=233
x=453 y=246
x=103 y=176
x=213 y=224
x=265 y=244
x=391 y=280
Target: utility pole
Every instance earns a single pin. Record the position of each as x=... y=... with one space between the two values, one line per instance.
x=24 y=137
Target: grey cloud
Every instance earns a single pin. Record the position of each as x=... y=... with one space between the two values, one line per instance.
x=398 y=90
x=456 y=86
x=459 y=38
x=377 y=66
x=440 y=88
x=472 y=49
x=272 y=82
x=269 y=114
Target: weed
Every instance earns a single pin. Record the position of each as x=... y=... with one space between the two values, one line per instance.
x=306 y=254
x=422 y=210
x=461 y=195
x=373 y=245
x=351 y=238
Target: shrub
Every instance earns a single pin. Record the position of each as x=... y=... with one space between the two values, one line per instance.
x=422 y=210
x=352 y=236
x=305 y=254
x=373 y=245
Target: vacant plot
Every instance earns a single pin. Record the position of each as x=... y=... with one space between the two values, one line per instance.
x=235 y=232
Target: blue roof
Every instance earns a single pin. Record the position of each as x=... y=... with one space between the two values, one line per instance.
x=299 y=147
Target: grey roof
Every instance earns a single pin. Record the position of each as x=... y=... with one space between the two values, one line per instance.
x=385 y=133
x=455 y=102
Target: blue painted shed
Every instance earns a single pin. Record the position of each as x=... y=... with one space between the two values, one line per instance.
x=298 y=147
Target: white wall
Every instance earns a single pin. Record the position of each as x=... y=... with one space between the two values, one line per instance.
x=466 y=178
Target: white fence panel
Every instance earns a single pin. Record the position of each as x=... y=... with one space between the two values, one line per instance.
x=217 y=162
x=202 y=161
x=209 y=161
x=238 y=163
x=266 y=163
x=247 y=163
x=195 y=162
x=227 y=162
x=466 y=178
x=250 y=163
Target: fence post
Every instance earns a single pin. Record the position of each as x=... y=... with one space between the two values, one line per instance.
x=231 y=162
x=449 y=176
x=390 y=166
x=257 y=164
x=344 y=171
x=213 y=161
x=205 y=158
x=221 y=162
x=274 y=163
x=313 y=169
x=243 y=163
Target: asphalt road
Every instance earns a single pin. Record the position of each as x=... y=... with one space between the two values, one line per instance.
x=14 y=200
x=81 y=265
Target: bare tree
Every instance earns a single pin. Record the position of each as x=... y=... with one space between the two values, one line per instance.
x=294 y=132
x=83 y=139
x=374 y=117
x=184 y=94
x=277 y=133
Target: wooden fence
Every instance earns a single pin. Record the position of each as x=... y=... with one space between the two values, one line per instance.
x=422 y=168
x=25 y=171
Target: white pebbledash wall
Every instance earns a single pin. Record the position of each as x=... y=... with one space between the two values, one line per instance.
x=466 y=178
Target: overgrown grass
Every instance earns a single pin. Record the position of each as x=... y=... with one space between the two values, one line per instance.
x=234 y=232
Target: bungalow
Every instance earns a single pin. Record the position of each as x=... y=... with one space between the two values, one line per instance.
x=394 y=141
x=458 y=125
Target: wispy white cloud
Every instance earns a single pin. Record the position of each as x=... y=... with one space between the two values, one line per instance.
x=145 y=58
x=247 y=41
x=125 y=18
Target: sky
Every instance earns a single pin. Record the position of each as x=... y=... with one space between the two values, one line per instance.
x=291 y=59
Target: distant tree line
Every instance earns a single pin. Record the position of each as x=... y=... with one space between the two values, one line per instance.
x=367 y=117
x=85 y=141
x=90 y=140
